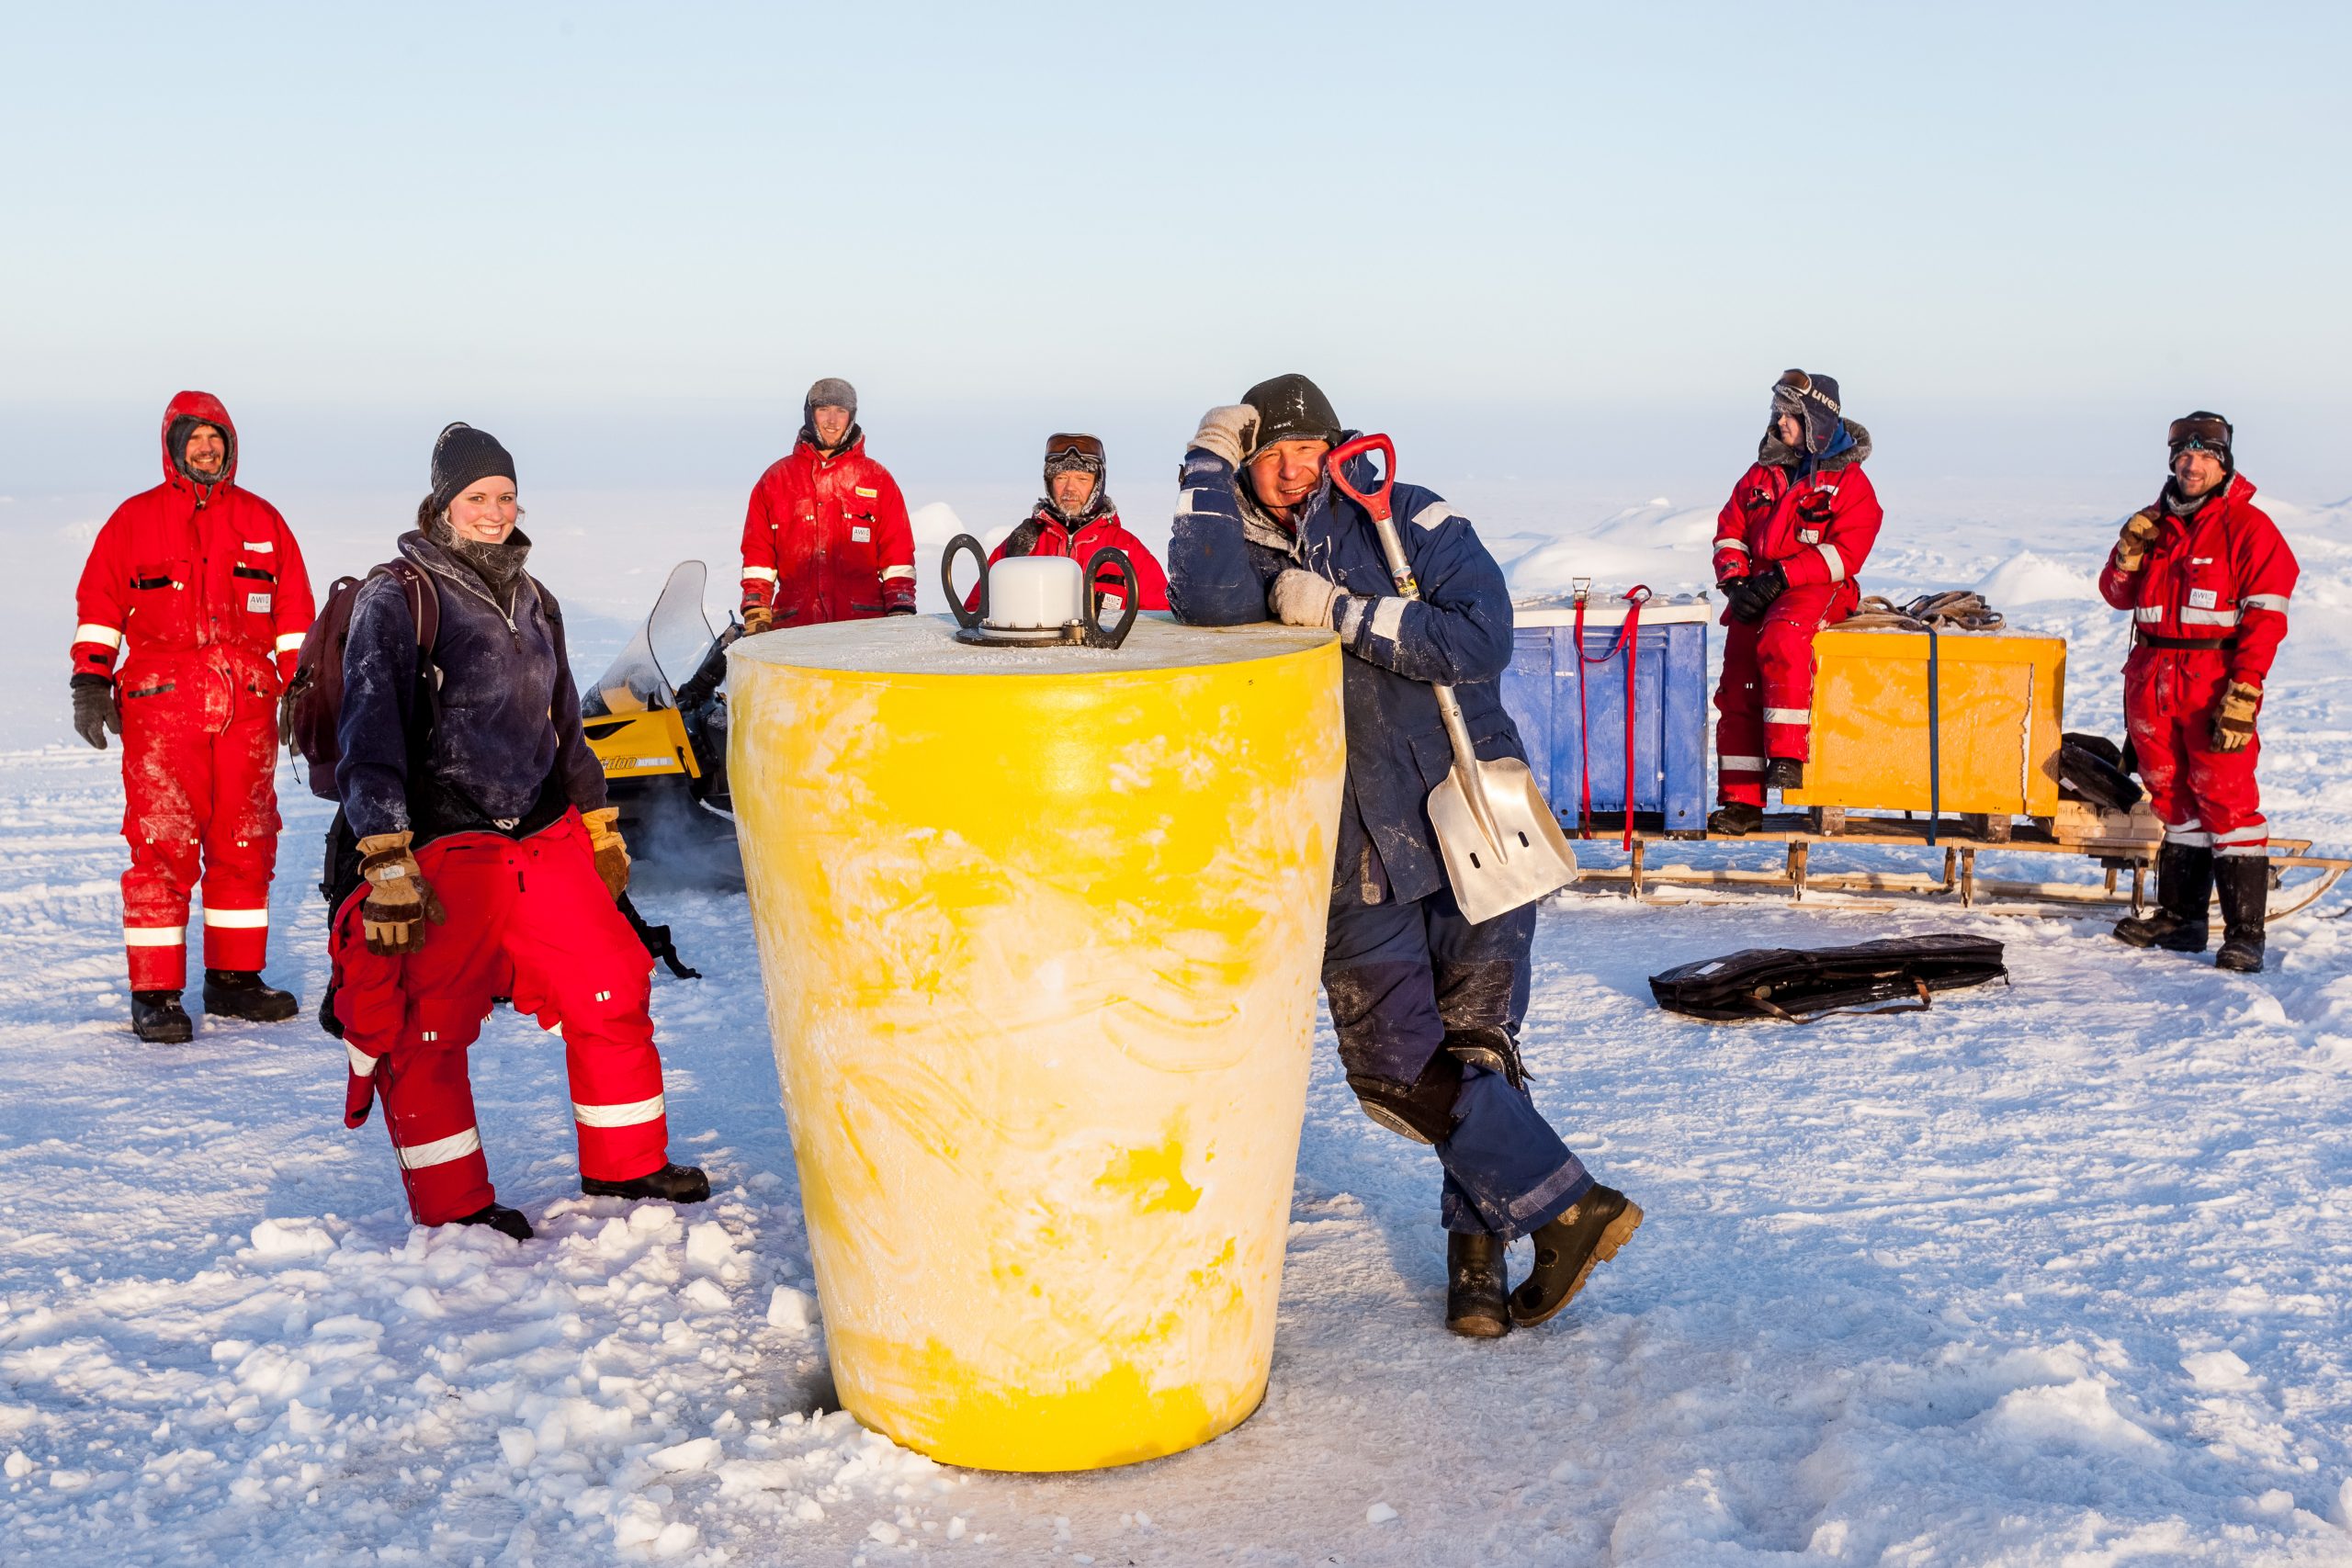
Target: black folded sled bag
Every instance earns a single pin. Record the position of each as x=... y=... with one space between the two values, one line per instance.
x=1801 y=984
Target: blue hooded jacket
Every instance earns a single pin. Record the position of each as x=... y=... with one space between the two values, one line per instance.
x=1223 y=557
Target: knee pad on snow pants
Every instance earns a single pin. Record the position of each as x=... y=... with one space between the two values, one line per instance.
x=1423 y=1110
x=1491 y=1047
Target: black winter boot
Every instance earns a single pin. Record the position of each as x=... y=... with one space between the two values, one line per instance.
x=2245 y=892
x=672 y=1183
x=1474 y=1298
x=501 y=1219
x=1592 y=1230
x=1738 y=817
x=240 y=993
x=157 y=1018
x=2179 y=922
x=1784 y=773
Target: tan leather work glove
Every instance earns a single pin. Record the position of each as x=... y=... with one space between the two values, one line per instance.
x=2234 y=716
x=757 y=618
x=611 y=852
x=399 y=902
x=2140 y=532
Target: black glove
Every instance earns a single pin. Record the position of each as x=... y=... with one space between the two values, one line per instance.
x=1753 y=594
x=286 y=701
x=94 y=709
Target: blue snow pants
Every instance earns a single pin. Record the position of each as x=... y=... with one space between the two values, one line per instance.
x=1400 y=978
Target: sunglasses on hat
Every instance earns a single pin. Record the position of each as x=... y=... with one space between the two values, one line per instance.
x=2198 y=433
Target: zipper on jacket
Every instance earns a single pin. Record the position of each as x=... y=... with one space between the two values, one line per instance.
x=505 y=615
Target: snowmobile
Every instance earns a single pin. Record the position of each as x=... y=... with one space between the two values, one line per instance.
x=657 y=720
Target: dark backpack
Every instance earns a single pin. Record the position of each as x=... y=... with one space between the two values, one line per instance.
x=314 y=697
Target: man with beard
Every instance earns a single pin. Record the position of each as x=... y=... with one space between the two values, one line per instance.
x=489 y=862
x=826 y=538
x=2207 y=578
x=1076 y=517
x=199 y=585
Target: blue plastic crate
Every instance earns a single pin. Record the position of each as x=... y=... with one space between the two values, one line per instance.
x=1670 y=782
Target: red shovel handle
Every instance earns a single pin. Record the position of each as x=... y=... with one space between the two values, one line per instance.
x=1376 y=500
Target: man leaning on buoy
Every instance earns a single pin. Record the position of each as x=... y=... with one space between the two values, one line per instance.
x=1427 y=1006
x=2206 y=577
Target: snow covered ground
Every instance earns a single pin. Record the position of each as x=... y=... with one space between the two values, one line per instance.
x=2060 y=1273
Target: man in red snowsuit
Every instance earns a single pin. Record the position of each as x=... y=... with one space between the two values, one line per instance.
x=2206 y=578
x=1077 y=517
x=1788 y=543
x=826 y=538
x=199 y=584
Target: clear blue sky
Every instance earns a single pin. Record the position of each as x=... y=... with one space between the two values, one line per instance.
x=2020 y=234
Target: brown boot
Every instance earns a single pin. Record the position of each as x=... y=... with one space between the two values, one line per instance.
x=1592 y=1230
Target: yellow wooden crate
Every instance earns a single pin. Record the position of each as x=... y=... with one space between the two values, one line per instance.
x=2000 y=696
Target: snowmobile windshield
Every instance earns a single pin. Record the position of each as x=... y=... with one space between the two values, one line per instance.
x=667 y=649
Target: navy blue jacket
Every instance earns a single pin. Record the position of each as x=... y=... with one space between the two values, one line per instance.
x=505 y=747
x=1223 y=556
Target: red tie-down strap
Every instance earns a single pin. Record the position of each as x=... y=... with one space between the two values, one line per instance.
x=1629 y=641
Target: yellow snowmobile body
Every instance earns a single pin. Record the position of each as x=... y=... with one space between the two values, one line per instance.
x=645 y=745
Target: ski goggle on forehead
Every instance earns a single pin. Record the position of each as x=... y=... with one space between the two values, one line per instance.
x=2207 y=435
x=1797 y=384
x=1063 y=452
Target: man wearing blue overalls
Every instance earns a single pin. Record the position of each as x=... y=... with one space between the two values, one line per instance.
x=1426 y=1005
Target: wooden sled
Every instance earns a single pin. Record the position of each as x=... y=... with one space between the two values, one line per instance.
x=2118 y=842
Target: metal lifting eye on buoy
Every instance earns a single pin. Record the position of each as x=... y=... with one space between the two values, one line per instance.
x=1076 y=623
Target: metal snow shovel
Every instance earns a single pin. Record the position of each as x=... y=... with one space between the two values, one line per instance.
x=1502 y=846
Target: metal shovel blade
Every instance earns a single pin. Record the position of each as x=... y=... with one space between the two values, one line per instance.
x=1534 y=859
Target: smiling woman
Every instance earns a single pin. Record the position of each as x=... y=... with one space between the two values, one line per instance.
x=487 y=863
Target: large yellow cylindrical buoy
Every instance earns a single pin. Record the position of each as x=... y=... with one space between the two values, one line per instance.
x=1040 y=931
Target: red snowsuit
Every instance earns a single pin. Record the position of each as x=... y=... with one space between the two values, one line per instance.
x=827 y=538
x=1042 y=534
x=529 y=920
x=1820 y=529
x=2218 y=581
x=203 y=589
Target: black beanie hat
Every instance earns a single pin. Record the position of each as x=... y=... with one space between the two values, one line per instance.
x=462 y=455
x=1290 y=408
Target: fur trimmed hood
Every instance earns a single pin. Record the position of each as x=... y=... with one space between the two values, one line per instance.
x=1775 y=453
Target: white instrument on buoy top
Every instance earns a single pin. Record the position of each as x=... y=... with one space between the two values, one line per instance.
x=1036 y=601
